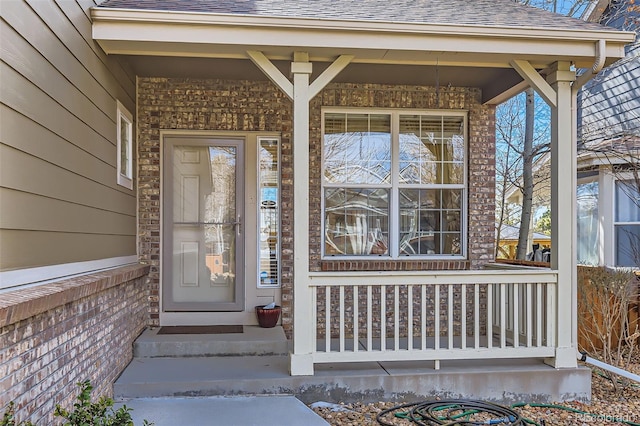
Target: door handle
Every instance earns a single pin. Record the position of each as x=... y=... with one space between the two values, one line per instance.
x=239 y=225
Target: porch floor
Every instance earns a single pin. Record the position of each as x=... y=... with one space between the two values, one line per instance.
x=499 y=380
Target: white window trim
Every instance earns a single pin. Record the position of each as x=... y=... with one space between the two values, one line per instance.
x=123 y=179
x=613 y=222
x=601 y=206
x=394 y=187
x=279 y=206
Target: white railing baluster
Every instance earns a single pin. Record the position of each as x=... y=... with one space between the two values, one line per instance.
x=314 y=315
x=516 y=315
x=342 y=334
x=396 y=318
x=489 y=316
x=476 y=316
x=410 y=318
x=503 y=315
x=551 y=314
x=383 y=318
x=369 y=318
x=450 y=308
x=436 y=312
x=423 y=317
x=463 y=317
x=539 y=332
x=529 y=329
x=327 y=319
x=356 y=323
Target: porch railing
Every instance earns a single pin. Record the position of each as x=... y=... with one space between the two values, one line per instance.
x=436 y=316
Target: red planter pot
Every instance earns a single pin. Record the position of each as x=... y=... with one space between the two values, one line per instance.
x=268 y=318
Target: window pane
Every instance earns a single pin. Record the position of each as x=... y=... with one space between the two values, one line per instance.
x=430 y=221
x=125 y=131
x=454 y=149
x=452 y=127
x=588 y=228
x=431 y=150
x=269 y=213
x=356 y=221
x=628 y=245
x=452 y=173
x=335 y=123
x=627 y=201
x=362 y=153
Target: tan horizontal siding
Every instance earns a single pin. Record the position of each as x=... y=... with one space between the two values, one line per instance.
x=68 y=217
x=29 y=249
x=22 y=96
x=37 y=20
x=23 y=134
x=28 y=62
x=26 y=173
x=59 y=198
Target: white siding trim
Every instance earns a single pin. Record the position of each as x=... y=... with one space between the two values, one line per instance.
x=43 y=274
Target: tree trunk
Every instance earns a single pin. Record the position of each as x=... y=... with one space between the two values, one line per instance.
x=527 y=176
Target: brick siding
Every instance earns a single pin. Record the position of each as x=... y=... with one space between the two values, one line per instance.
x=192 y=104
x=55 y=335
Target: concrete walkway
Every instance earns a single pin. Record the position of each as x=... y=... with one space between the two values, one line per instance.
x=274 y=410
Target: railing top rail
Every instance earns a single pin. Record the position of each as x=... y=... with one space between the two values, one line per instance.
x=477 y=277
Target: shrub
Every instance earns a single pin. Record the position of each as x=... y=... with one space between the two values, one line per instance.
x=84 y=413
x=604 y=324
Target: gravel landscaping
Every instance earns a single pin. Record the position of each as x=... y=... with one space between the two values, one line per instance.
x=613 y=406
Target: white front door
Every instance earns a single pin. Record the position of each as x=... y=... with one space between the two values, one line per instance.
x=202 y=225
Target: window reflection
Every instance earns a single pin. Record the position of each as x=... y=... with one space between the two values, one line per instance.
x=358 y=160
x=356 y=221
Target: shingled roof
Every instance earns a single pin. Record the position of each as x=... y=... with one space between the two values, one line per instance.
x=500 y=13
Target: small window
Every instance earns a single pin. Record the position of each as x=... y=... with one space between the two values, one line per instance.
x=269 y=212
x=627 y=223
x=125 y=146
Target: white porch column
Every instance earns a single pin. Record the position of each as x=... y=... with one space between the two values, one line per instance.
x=303 y=328
x=563 y=213
x=301 y=92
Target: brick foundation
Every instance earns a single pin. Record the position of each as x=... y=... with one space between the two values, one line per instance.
x=55 y=335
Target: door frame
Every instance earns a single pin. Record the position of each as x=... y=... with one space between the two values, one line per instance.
x=253 y=295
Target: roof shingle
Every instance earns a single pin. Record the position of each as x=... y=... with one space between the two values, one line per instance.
x=501 y=13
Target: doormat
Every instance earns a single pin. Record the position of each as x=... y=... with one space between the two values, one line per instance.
x=201 y=329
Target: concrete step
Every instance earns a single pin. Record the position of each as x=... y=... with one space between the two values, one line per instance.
x=500 y=380
x=253 y=341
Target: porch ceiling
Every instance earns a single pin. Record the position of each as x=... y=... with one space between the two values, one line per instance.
x=491 y=80
x=164 y=43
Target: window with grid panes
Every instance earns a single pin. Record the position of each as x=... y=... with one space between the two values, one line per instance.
x=394 y=183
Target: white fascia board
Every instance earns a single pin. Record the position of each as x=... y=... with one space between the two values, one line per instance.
x=105 y=14
x=189 y=28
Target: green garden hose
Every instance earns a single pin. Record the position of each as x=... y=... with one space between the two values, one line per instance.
x=460 y=412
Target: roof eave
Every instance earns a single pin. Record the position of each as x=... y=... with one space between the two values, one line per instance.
x=230 y=36
x=101 y=14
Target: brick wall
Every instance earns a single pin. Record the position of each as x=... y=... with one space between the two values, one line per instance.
x=481 y=166
x=190 y=104
x=55 y=335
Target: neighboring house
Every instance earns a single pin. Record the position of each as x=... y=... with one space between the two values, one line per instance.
x=508 y=241
x=307 y=153
x=608 y=194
